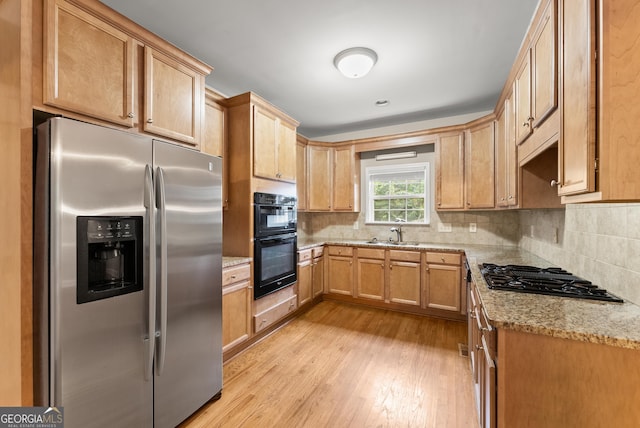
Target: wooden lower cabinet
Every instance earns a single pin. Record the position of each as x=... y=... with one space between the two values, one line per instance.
x=236 y=305
x=317 y=271
x=305 y=293
x=370 y=283
x=340 y=270
x=482 y=356
x=443 y=281
x=404 y=277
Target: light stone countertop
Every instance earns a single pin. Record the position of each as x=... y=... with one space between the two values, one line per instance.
x=615 y=324
x=234 y=261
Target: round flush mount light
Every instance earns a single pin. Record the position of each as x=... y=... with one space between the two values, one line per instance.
x=355 y=62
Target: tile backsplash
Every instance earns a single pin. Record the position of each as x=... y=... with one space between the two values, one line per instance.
x=492 y=228
x=600 y=242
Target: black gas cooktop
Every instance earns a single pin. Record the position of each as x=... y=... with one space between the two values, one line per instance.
x=550 y=281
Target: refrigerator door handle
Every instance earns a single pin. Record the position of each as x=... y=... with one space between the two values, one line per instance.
x=162 y=333
x=149 y=203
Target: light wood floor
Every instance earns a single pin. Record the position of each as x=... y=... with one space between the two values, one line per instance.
x=340 y=365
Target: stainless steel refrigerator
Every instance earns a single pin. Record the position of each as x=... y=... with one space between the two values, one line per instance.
x=127 y=276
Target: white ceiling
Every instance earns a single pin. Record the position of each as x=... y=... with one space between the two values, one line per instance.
x=436 y=58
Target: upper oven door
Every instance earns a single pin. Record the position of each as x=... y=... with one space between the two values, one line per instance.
x=274 y=219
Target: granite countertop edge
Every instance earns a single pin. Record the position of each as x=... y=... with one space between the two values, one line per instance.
x=613 y=324
x=228 y=261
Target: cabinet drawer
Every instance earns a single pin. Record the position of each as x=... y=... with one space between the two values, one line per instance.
x=340 y=251
x=269 y=316
x=447 y=258
x=235 y=274
x=404 y=256
x=318 y=252
x=304 y=255
x=371 y=253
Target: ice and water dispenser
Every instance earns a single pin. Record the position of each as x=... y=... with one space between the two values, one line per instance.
x=109 y=257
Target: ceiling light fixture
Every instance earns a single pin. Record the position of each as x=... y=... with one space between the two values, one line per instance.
x=355 y=62
x=400 y=155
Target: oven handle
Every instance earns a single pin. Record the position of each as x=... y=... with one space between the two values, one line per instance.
x=276 y=240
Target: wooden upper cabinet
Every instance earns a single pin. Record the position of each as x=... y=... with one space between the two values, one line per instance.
x=214 y=140
x=544 y=70
x=79 y=48
x=286 y=151
x=319 y=178
x=274 y=143
x=174 y=98
x=450 y=172
x=264 y=144
x=344 y=179
x=506 y=157
x=536 y=83
x=522 y=92
x=479 y=163
x=301 y=175
x=578 y=98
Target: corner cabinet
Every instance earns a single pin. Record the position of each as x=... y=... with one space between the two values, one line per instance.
x=91 y=67
x=301 y=172
x=479 y=163
x=333 y=178
x=450 y=172
x=506 y=157
x=214 y=139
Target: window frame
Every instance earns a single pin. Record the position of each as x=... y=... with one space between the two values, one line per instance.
x=421 y=167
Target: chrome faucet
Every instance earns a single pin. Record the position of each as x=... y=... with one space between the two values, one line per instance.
x=398 y=231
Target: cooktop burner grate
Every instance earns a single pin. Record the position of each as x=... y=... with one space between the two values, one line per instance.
x=548 y=281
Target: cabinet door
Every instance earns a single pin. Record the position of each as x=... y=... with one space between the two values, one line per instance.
x=443 y=287
x=301 y=176
x=214 y=129
x=522 y=92
x=577 y=146
x=544 y=72
x=319 y=175
x=343 y=178
x=264 y=144
x=174 y=98
x=304 y=282
x=370 y=282
x=286 y=162
x=512 y=153
x=236 y=314
x=214 y=141
x=404 y=283
x=450 y=172
x=480 y=167
x=501 y=162
x=488 y=387
x=89 y=66
x=317 y=276
x=340 y=273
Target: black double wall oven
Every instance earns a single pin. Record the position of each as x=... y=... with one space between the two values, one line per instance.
x=275 y=243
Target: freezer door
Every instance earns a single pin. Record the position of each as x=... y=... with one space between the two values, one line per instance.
x=189 y=276
x=92 y=354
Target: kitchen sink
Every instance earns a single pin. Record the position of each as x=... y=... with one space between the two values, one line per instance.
x=395 y=243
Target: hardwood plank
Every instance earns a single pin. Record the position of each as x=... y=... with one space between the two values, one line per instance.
x=343 y=365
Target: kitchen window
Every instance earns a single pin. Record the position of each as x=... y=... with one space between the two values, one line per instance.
x=398 y=193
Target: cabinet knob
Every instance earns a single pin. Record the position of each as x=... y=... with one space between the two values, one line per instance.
x=555 y=183
x=510 y=196
x=525 y=124
x=233 y=277
x=479 y=348
x=130 y=115
x=149 y=120
x=442 y=258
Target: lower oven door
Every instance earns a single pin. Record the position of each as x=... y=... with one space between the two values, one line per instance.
x=275 y=263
